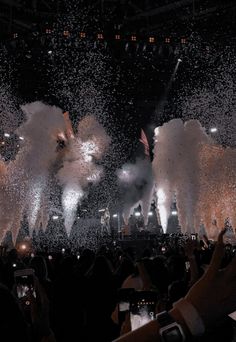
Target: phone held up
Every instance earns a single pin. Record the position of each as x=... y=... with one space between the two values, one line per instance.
x=25 y=286
x=142 y=308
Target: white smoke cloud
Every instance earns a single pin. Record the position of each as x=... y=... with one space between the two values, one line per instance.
x=137 y=183
x=189 y=165
x=79 y=165
x=27 y=175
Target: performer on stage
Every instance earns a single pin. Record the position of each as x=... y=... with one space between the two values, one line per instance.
x=105 y=222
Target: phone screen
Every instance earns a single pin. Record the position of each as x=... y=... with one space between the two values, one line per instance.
x=187 y=265
x=193 y=236
x=142 y=308
x=124 y=299
x=24 y=280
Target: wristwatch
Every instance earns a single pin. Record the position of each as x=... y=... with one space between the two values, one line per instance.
x=170 y=331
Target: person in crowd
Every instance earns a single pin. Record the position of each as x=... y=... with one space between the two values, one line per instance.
x=209 y=300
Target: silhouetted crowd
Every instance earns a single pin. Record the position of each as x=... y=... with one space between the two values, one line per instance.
x=77 y=296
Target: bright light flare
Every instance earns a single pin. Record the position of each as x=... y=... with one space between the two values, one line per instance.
x=213 y=130
x=114 y=215
x=89 y=149
x=174 y=213
x=55 y=217
x=137 y=214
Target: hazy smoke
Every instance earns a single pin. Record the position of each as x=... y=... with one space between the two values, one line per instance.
x=28 y=174
x=136 y=181
x=189 y=165
x=79 y=165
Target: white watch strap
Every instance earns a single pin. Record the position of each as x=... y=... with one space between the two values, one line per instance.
x=190 y=316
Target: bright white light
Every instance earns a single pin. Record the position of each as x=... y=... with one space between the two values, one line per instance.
x=78 y=217
x=150 y=213
x=213 y=130
x=114 y=215
x=49 y=52
x=161 y=196
x=101 y=210
x=23 y=247
x=7 y=135
x=21 y=138
x=78 y=256
x=161 y=199
x=63 y=250
x=174 y=213
x=137 y=214
x=94 y=177
x=13 y=265
x=180 y=60
x=89 y=148
x=55 y=217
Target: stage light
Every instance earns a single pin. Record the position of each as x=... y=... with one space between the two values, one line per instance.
x=114 y=215
x=151 y=40
x=7 y=135
x=150 y=213
x=137 y=214
x=213 y=130
x=82 y=35
x=55 y=217
x=174 y=213
x=23 y=247
x=66 y=33
x=100 y=36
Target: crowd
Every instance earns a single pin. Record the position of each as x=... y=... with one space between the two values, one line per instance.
x=79 y=296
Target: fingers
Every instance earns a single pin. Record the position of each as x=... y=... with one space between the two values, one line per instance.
x=217 y=255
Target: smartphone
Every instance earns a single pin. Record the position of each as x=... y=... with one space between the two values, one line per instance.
x=142 y=308
x=193 y=237
x=124 y=299
x=187 y=265
x=163 y=249
x=24 y=280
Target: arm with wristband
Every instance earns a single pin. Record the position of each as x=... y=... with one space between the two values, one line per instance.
x=199 y=310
